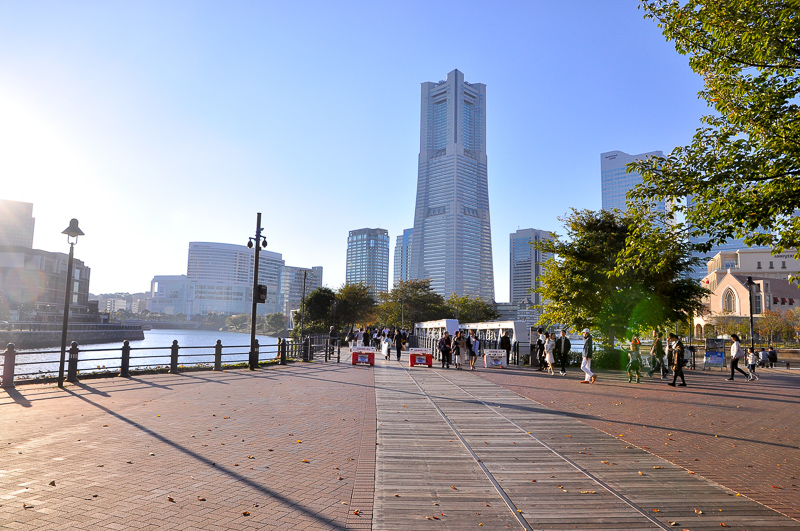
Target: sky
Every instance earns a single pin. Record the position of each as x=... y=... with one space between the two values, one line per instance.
x=156 y=124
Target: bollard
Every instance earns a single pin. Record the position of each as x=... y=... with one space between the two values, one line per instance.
x=328 y=347
x=72 y=366
x=218 y=355
x=282 y=350
x=173 y=358
x=338 y=351
x=306 y=347
x=125 y=366
x=9 y=361
x=257 y=355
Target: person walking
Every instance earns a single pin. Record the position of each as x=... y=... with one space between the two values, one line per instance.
x=475 y=350
x=505 y=344
x=736 y=354
x=657 y=355
x=445 y=346
x=586 y=357
x=549 y=346
x=459 y=349
x=398 y=343
x=562 y=349
x=752 y=362
x=678 y=353
x=634 y=359
x=386 y=347
x=540 y=350
x=773 y=356
x=367 y=339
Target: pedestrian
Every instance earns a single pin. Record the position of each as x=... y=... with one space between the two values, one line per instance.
x=459 y=349
x=367 y=339
x=540 y=350
x=586 y=357
x=634 y=359
x=549 y=346
x=773 y=356
x=505 y=344
x=359 y=336
x=752 y=361
x=562 y=349
x=736 y=354
x=386 y=347
x=678 y=352
x=657 y=355
x=398 y=343
x=763 y=358
x=475 y=348
x=445 y=347
x=333 y=338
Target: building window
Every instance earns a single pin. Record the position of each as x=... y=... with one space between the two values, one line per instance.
x=758 y=265
x=729 y=301
x=770 y=265
x=758 y=304
x=783 y=265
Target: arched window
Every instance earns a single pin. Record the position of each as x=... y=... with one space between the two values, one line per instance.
x=729 y=301
x=698 y=331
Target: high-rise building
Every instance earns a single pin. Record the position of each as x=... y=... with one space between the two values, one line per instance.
x=368 y=259
x=297 y=283
x=525 y=264
x=401 y=250
x=16 y=224
x=615 y=182
x=169 y=294
x=452 y=243
x=221 y=278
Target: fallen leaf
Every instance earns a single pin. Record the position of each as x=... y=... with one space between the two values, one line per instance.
x=27 y=505
x=304 y=460
x=246 y=513
x=151 y=453
x=775 y=486
x=723 y=524
x=397 y=496
x=105 y=425
x=52 y=483
x=588 y=492
x=298 y=440
x=452 y=487
x=357 y=511
x=341 y=478
x=698 y=511
x=200 y=499
x=658 y=467
x=170 y=499
x=641 y=473
x=250 y=457
x=656 y=510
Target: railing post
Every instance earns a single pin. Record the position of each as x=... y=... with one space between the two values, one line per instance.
x=328 y=347
x=338 y=350
x=257 y=355
x=282 y=350
x=125 y=366
x=9 y=361
x=173 y=358
x=72 y=367
x=218 y=355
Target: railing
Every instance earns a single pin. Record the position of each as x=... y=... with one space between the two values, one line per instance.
x=44 y=364
x=73 y=327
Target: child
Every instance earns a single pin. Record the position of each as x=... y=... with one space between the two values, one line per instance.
x=752 y=361
x=634 y=360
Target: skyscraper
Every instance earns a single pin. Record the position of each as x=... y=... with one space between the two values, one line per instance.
x=401 y=249
x=452 y=243
x=16 y=224
x=368 y=259
x=615 y=182
x=298 y=283
x=525 y=264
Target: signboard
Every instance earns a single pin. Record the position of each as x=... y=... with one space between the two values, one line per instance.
x=494 y=358
x=715 y=353
x=363 y=355
x=419 y=356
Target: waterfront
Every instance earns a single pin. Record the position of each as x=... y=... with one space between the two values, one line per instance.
x=152 y=351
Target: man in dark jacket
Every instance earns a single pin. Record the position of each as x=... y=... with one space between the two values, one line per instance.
x=586 y=357
x=677 y=359
x=562 y=349
x=505 y=344
x=657 y=356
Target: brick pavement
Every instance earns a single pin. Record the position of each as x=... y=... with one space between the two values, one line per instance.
x=292 y=446
x=742 y=435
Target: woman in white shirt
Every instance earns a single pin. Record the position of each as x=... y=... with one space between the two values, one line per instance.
x=549 y=345
x=736 y=354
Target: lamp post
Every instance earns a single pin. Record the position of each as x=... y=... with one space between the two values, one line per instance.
x=750 y=285
x=72 y=232
x=260 y=241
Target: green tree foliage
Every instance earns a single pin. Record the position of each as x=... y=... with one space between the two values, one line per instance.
x=269 y=325
x=470 y=309
x=409 y=302
x=316 y=312
x=354 y=305
x=584 y=288
x=741 y=169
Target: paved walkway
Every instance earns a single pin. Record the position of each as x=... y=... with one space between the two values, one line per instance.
x=327 y=446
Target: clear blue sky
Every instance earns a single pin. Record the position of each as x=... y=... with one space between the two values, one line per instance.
x=160 y=123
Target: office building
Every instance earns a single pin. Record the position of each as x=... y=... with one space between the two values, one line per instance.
x=401 y=250
x=452 y=242
x=16 y=224
x=221 y=279
x=615 y=182
x=525 y=264
x=33 y=284
x=297 y=283
x=169 y=294
x=368 y=259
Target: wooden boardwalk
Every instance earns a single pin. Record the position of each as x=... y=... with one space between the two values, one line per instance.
x=456 y=451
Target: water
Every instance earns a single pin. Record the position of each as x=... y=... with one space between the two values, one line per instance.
x=155 y=345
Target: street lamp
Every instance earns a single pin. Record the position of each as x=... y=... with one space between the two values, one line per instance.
x=72 y=232
x=259 y=292
x=750 y=285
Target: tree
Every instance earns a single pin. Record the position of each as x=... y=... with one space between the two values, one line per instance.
x=354 y=304
x=741 y=171
x=409 y=302
x=274 y=323
x=315 y=313
x=471 y=309
x=585 y=286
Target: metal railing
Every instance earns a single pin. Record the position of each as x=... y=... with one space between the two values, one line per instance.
x=44 y=364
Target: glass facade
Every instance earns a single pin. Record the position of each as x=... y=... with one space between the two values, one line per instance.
x=616 y=182
x=401 y=250
x=368 y=259
x=452 y=242
x=525 y=264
